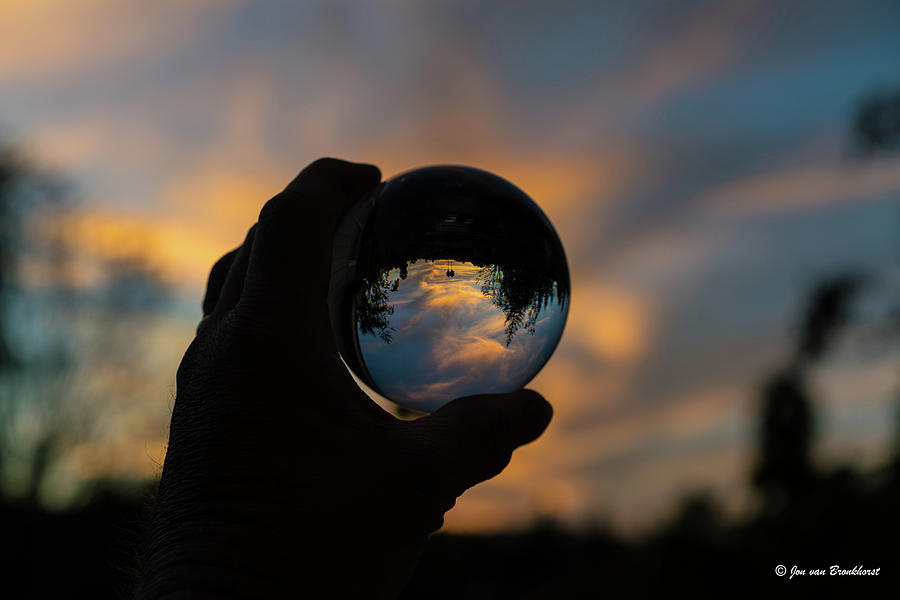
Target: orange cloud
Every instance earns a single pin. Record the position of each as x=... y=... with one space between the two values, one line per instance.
x=177 y=251
x=127 y=458
x=474 y=352
x=560 y=182
x=701 y=49
x=637 y=498
x=43 y=39
x=612 y=323
x=609 y=469
x=222 y=203
x=118 y=144
x=447 y=389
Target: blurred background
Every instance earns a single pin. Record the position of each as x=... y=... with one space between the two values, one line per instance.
x=725 y=177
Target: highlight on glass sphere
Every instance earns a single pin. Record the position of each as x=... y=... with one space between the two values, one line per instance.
x=447 y=281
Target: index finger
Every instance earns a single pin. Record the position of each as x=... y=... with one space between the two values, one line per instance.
x=290 y=262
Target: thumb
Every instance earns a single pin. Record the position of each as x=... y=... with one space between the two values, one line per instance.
x=473 y=437
x=290 y=260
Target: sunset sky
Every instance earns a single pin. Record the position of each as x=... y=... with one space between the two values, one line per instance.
x=695 y=158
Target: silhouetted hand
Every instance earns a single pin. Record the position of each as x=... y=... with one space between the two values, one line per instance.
x=282 y=478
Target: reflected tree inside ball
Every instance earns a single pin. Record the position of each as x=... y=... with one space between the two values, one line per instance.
x=447 y=281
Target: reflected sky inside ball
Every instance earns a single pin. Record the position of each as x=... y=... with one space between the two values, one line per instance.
x=446 y=281
x=448 y=337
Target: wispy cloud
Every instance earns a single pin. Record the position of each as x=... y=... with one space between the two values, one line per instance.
x=42 y=41
x=805 y=188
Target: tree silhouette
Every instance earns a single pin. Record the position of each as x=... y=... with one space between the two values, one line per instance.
x=12 y=172
x=15 y=205
x=521 y=293
x=828 y=312
x=70 y=348
x=877 y=124
x=784 y=470
x=876 y=130
x=373 y=309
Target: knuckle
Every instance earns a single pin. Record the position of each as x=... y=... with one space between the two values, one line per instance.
x=274 y=206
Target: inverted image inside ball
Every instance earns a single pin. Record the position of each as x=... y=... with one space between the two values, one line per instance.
x=447 y=281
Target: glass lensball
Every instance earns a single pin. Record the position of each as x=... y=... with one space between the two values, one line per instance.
x=447 y=281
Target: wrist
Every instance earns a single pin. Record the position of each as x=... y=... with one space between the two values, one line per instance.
x=224 y=554
x=218 y=558
x=202 y=540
